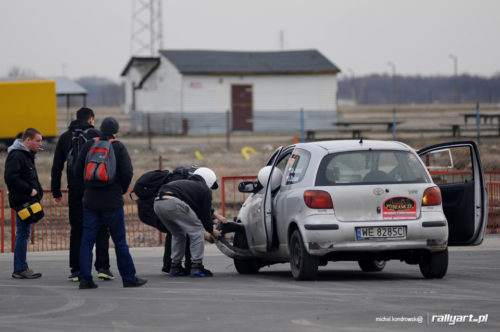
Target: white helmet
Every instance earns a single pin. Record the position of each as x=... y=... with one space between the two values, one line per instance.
x=208 y=175
x=263 y=177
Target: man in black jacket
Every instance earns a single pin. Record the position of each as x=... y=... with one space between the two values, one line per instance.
x=104 y=205
x=185 y=207
x=22 y=182
x=83 y=125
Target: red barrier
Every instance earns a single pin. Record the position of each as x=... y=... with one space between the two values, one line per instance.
x=52 y=232
x=2 y=227
x=229 y=188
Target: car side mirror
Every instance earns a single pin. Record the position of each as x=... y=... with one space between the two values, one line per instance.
x=246 y=187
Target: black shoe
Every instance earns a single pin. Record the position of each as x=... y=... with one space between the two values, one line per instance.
x=165 y=269
x=87 y=284
x=138 y=282
x=105 y=274
x=74 y=276
x=199 y=271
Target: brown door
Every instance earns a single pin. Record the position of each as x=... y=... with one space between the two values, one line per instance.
x=241 y=102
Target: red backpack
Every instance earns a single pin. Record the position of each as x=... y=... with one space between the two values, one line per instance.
x=100 y=163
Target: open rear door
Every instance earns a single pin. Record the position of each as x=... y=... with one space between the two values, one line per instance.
x=456 y=168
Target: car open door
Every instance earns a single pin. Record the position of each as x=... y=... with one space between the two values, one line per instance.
x=267 y=206
x=456 y=168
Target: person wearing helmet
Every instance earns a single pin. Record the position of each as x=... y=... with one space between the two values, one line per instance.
x=185 y=208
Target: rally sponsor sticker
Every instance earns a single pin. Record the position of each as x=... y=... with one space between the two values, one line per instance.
x=399 y=208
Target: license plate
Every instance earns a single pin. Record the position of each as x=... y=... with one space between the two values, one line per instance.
x=381 y=232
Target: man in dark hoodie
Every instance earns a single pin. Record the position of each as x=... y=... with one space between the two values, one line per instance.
x=104 y=205
x=22 y=182
x=83 y=125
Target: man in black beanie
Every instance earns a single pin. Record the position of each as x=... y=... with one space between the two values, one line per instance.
x=67 y=151
x=103 y=204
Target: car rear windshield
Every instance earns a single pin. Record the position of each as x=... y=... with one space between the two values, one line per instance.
x=370 y=167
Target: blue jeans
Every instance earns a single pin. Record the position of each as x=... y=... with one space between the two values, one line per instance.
x=115 y=221
x=23 y=232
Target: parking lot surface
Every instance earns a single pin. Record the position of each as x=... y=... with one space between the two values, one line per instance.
x=342 y=299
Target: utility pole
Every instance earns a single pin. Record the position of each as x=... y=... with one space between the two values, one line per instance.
x=353 y=90
x=455 y=69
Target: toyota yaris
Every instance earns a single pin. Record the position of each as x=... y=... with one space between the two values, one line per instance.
x=366 y=201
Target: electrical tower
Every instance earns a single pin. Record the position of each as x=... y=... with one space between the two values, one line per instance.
x=146 y=36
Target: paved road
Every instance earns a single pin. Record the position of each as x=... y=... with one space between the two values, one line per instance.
x=342 y=299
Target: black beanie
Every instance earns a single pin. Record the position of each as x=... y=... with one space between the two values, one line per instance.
x=109 y=126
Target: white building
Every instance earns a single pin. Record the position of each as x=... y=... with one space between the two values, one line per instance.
x=193 y=92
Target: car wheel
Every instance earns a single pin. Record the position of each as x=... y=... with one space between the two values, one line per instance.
x=372 y=265
x=244 y=266
x=303 y=265
x=434 y=264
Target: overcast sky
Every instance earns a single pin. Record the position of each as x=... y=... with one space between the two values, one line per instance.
x=92 y=37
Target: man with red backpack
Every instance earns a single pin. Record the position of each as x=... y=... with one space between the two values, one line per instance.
x=105 y=171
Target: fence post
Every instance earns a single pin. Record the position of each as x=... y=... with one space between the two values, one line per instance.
x=12 y=230
x=394 y=124
x=478 y=123
x=302 y=125
x=3 y=222
x=223 y=197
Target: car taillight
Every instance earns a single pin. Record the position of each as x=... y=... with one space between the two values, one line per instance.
x=318 y=199
x=432 y=196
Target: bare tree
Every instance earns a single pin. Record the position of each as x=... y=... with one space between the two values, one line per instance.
x=19 y=72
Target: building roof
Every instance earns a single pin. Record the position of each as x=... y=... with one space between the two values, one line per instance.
x=250 y=63
x=65 y=86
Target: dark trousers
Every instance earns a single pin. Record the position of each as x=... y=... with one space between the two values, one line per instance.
x=75 y=238
x=115 y=220
x=167 y=261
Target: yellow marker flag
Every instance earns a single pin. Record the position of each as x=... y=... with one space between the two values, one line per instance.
x=246 y=150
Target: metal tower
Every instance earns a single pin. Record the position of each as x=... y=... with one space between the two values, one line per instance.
x=146 y=36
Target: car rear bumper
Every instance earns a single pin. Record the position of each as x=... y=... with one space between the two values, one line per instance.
x=324 y=236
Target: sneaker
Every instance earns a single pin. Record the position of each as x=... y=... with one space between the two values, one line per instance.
x=165 y=269
x=138 y=282
x=105 y=275
x=74 y=276
x=198 y=270
x=178 y=272
x=26 y=274
x=87 y=284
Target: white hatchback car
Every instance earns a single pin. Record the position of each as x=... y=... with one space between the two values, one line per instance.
x=366 y=201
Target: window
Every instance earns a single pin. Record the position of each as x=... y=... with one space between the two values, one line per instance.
x=451 y=165
x=367 y=167
x=297 y=165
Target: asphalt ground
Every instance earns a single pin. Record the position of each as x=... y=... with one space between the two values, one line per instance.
x=342 y=299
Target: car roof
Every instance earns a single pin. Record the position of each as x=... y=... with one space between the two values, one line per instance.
x=350 y=145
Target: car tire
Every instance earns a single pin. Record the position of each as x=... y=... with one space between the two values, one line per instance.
x=244 y=266
x=303 y=265
x=434 y=265
x=371 y=265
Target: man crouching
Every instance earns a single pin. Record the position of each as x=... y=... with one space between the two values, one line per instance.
x=185 y=207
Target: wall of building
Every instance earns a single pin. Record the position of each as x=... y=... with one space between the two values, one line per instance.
x=204 y=101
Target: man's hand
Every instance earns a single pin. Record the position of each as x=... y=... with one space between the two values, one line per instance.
x=58 y=201
x=33 y=192
x=216 y=233
x=208 y=237
x=218 y=218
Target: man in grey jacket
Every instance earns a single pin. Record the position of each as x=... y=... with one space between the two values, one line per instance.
x=22 y=182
